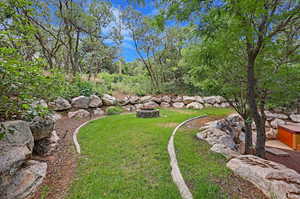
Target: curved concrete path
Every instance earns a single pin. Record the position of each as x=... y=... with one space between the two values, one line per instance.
x=75 y=141
x=176 y=174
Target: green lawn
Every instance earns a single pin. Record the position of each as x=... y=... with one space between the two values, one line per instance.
x=126 y=157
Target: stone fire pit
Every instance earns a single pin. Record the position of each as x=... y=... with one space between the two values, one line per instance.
x=147 y=112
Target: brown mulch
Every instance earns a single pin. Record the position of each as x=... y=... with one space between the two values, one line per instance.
x=62 y=164
x=292 y=161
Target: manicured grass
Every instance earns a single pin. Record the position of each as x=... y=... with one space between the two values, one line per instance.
x=126 y=157
x=200 y=167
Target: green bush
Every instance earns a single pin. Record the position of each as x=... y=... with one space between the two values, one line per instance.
x=137 y=84
x=114 y=110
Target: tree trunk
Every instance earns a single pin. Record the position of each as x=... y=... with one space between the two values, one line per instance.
x=248 y=137
x=261 y=137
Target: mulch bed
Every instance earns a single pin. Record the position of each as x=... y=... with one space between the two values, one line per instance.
x=292 y=161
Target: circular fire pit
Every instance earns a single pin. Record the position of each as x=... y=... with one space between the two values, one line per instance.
x=147 y=112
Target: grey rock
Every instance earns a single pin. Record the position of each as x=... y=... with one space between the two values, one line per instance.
x=138 y=106
x=199 y=99
x=224 y=150
x=41 y=127
x=25 y=182
x=151 y=104
x=80 y=102
x=129 y=108
x=188 y=99
x=17 y=133
x=80 y=114
x=273 y=179
x=156 y=99
x=178 y=105
x=39 y=103
x=134 y=100
x=98 y=112
x=109 y=100
x=295 y=117
x=165 y=105
x=195 y=105
x=271 y=116
x=95 y=101
x=145 y=99
x=276 y=122
x=166 y=99
x=16 y=145
x=177 y=99
x=60 y=104
x=55 y=116
x=124 y=101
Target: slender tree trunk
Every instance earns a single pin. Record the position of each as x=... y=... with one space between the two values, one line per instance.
x=261 y=137
x=248 y=137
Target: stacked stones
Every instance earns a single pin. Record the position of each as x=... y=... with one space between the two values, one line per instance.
x=19 y=175
x=83 y=107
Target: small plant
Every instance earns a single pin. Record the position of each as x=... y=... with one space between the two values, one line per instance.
x=114 y=110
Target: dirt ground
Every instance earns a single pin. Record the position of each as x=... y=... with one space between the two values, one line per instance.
x=62 y=164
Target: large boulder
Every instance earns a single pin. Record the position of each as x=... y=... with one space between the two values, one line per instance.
x=271 y=116
x=199 y=99
x=129 y=108
x=46 y=146
x=60 y=104
x=138 y=106
x=41 y=127
x=151 y=104
x=273 y=179
x=55 y=116
x=177 y=99
x=79 y=114
x=224 y=150
x=80 y=102
x=188 y=99
x=109 y=100
x=216 y=136
x=165 y=105
x=295 y=117
x=124 y=101
x=16 y=145
x=195 y=105
x=25 y=182
x=166 y=99
x=17 y=133
x=98 y=112
x=95 y=101
x=178 y=105
x=156 y=99
x=145 y=99
x=210 y=100
x=39 y=103
x=276 y=122
x=134 y=100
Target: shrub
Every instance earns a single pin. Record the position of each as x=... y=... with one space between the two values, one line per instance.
x=114 y=110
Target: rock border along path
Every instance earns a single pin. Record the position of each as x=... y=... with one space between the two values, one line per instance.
x=175 y=172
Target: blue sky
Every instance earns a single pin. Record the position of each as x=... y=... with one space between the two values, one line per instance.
x=127 y=49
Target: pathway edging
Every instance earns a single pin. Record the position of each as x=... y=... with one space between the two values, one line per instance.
x=175 y=173
x=75 y=141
